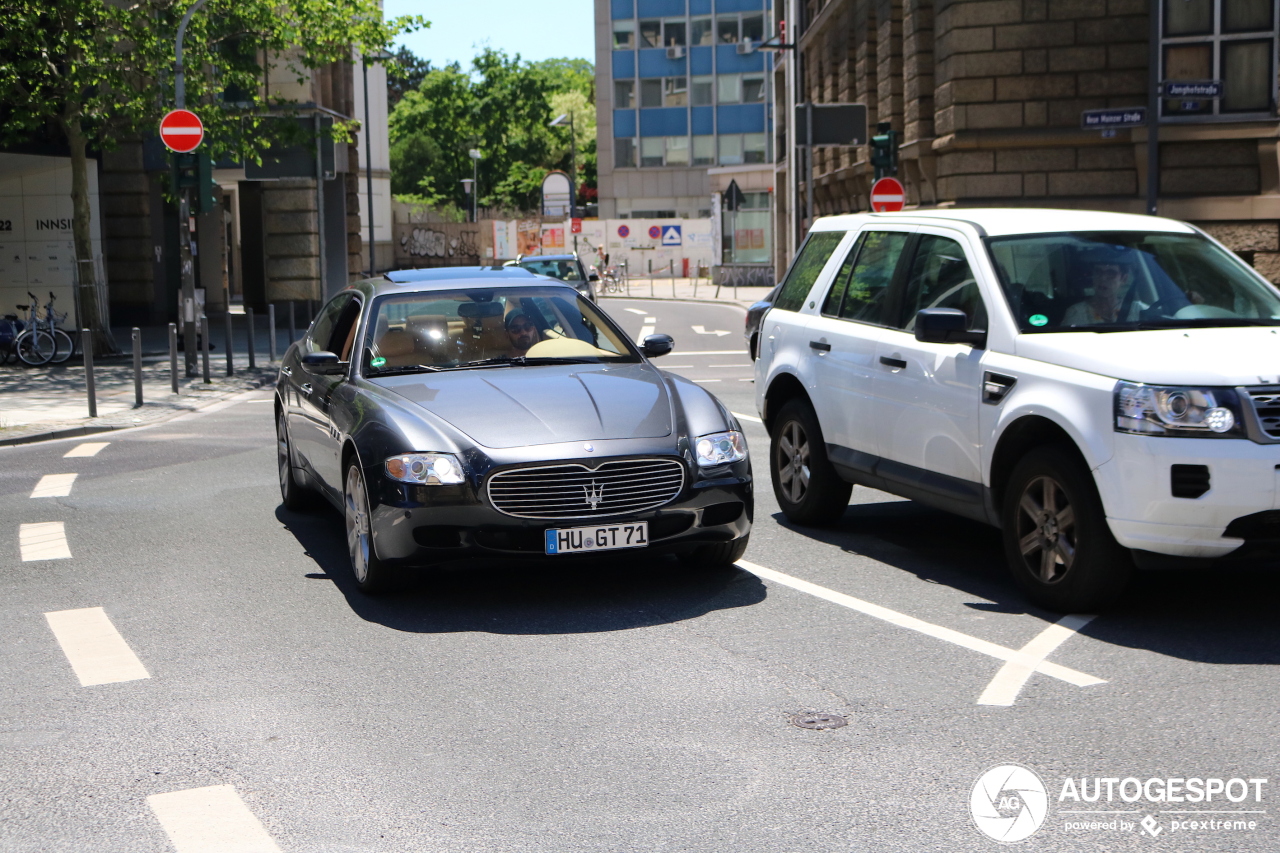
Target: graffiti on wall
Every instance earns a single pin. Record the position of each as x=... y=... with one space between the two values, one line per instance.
x=428 y=242
x=743 y=275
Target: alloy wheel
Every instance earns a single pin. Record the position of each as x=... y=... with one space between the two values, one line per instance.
x=356 y=511
x=1046 y=530
x=282 y=453
x=792 y=461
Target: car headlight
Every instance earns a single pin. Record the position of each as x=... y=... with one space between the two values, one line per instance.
x=721 y=448
x=426 y=469
x=1177 y=411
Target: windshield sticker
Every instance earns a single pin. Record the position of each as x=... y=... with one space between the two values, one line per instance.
x=378 y=362
x=1037 y=319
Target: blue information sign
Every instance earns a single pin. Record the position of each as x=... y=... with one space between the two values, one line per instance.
x=1110 y=119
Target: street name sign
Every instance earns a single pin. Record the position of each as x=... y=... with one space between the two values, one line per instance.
x=1112 y=119
x=888 y=195
x=1192 y=88
x=181 y=131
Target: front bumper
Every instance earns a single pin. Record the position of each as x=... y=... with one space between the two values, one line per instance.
x=1135 y=485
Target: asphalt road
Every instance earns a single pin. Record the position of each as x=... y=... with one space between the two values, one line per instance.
x=618 y=706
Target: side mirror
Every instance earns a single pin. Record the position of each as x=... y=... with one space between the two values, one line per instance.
x=947 y=326
x=322 y=362
x=593 y=277
x=656 y=345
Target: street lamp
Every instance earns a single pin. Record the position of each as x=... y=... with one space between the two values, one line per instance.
x=573 y=162
x=474 y=153
x=380 y=56
x=467 y=184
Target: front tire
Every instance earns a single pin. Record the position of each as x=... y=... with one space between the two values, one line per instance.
x=808 y=489
x=372 y=575
x=1056 y=539
x=295 y=498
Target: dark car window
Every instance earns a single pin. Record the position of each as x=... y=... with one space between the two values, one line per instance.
x=321 y=332
x=810 y=260
x=861 y=289
x=940 y=278
x=563 y=270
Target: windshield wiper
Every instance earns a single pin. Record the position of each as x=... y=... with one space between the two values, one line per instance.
x=521 y=360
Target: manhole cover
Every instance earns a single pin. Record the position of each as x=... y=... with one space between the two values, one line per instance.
x=813 y=720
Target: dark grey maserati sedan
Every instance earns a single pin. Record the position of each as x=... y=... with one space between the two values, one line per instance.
x=464 y=412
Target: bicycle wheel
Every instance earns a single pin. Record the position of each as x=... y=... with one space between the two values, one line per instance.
x=35 y=348
x=64 y=346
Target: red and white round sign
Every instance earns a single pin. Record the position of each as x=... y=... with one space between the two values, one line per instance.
x=181 y=131
x=888 y=195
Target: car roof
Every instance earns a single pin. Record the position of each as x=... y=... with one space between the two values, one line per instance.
x=1001 y=222
x=547 y=258
x=451 y=278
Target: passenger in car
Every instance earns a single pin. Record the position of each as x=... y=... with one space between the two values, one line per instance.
x=521 y=332
x=1111 y=281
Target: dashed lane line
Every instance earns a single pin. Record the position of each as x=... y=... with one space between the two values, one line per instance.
x=1033 y=662
x=93 y=646
x=704 y=381
x=751 y=418
x=1013 y=676
x=635 y=311
x=89 y=448
x=210 y=820
x=645 y=331
x=715 y=352
x=45 y=540
x=54 y=486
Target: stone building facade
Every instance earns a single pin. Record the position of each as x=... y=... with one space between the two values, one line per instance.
x=988 y=95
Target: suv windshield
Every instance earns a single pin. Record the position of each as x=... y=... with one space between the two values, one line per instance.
x=1128 y=280
x=445 y=330
x=563 y=270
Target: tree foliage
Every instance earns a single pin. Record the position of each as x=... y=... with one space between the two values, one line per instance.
x=503 y=107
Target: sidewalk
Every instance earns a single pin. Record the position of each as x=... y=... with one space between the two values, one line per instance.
x=699 y=290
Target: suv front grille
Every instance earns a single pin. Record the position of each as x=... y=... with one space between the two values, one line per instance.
x=576 y=491
x=1266 y=403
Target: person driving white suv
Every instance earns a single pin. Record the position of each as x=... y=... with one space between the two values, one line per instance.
x=1105 y=388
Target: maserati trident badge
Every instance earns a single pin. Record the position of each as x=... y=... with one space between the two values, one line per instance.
x=594 y=494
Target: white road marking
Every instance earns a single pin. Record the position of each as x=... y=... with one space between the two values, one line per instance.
x=938 y=632
x=636 y=311
x=677 y=367
x=747 y=379
x=645 y=331
x=716 y=352
x=89 y=448
x=267 y=400
x=53 y=486
x=45 y=540
x=651 y=319
x=1012 y=677
x=702 y=330
x=704 y=380
x=210 y=820
x=93 y=646
x=751 y=418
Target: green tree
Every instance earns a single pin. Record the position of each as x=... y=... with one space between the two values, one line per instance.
x=94 y=71
x=405 y=72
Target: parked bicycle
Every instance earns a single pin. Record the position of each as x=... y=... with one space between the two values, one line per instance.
x=35 y=345
x=64 y=343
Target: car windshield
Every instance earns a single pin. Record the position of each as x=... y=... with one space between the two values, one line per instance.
x=1126 y=281
x=443 y=330
x=563 y=270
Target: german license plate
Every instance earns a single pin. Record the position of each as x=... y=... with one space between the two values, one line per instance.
x=608 y=537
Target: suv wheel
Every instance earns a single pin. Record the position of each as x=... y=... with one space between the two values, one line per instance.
x=1056 y=538
x=808 y=489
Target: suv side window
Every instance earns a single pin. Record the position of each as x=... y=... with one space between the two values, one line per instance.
x=810 y=260
x=861 y=290
x=940 y=278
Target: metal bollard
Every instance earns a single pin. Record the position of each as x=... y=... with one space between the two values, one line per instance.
x=86 y=344
x=227 y=337
x=293 y=329
x=271 y=330
x=137 y=367
x=671 y=270
x=173 y=356
x=248 y=314
x=650 y=278
x=204 y=350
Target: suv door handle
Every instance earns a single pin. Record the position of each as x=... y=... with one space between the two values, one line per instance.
x=305 y=388
x=896 y=363
x=820 y=346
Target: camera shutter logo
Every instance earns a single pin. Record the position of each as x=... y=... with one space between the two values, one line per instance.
x=1008 y=803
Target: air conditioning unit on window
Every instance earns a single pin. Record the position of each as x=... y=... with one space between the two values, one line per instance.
x=675 y=53
x=746 y=46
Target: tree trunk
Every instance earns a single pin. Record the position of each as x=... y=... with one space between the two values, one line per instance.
x=87 y=293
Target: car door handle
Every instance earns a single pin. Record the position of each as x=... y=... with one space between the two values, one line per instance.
x=896 y=363
x=305 y=388
x=820 y=346
x=287 y=371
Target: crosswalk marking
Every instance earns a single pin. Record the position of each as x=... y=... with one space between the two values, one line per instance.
x=93 y=646
x=45 y=540
x=210 y=820
x=53 y=486
x=89 y=448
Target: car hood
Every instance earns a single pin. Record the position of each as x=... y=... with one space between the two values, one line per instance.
x=543 y=404
x=1233 y=356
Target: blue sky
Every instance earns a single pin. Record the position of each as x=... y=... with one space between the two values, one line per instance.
x=460 y=28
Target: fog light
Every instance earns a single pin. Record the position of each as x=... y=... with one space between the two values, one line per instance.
x=1220 y=419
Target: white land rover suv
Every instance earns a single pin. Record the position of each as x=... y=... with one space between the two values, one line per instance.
x=1105 y=388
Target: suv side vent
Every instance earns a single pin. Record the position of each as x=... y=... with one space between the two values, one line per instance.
x=1189 y=481
x=1266 y=404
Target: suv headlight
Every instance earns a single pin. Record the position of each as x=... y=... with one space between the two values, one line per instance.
x=721 y=448
x=425 y=469
x=1177 y=411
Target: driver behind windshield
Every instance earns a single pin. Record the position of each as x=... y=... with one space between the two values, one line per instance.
x=1110 y=275
x=521 y=332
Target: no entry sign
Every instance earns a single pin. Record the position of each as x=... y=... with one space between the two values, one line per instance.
x=181 y=131
x=888 y=195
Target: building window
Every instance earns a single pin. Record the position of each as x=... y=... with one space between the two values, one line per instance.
x=704 y=151
x=624 y=35
x=700 y=33
x=651 y=93
x=1233 y=41
x=624 y=94
x=753 y=28
x=624 y=153
x=729 y=88
x=701 y=92
x=727 y=29
x=730 y=150
x=651 y=150
x=753 y=148
x=677 y=150
x=651 y=33
x=675 y=91
x=673 y=33
x=753 y=88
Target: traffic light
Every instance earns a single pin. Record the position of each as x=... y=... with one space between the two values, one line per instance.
x=195 y=171
x=884 y=151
